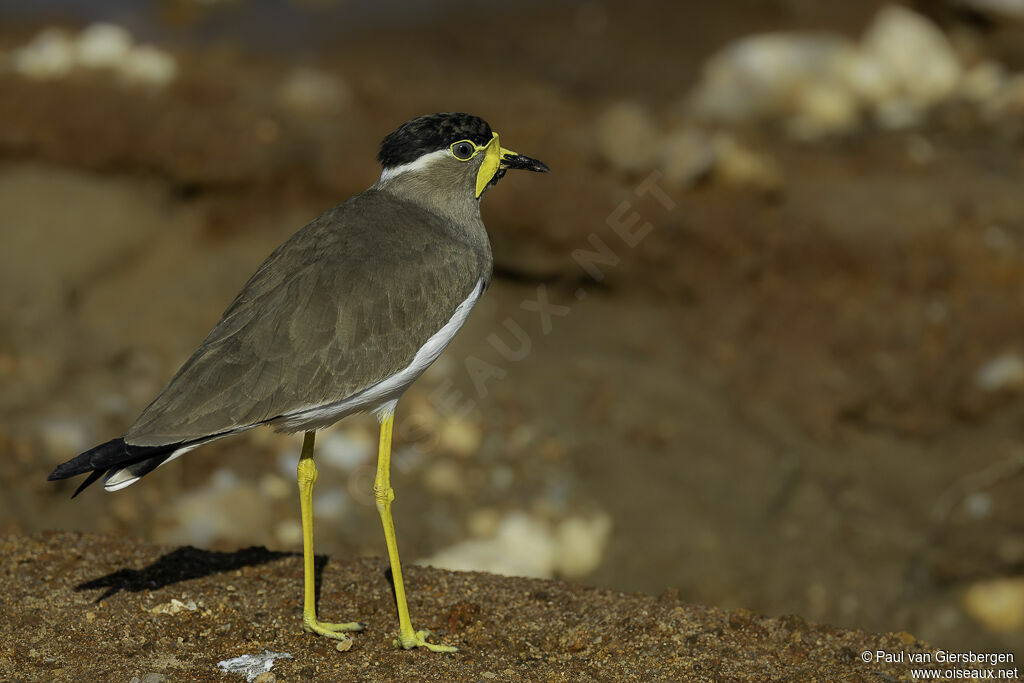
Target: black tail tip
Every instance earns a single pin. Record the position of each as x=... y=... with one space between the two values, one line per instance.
x=63 y=471
x=94 y=462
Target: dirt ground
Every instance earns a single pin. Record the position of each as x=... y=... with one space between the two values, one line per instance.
x=71 y=598
x=772 y=398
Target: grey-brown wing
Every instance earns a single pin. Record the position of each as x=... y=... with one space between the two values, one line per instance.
x=343 y=304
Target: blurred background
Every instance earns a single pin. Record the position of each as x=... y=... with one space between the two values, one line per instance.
x=757 y=341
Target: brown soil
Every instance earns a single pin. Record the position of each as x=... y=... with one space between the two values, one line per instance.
x=76 y=607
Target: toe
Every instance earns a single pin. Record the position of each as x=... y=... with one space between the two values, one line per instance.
x=419 y=639
x=348 y=626
x=328 y=630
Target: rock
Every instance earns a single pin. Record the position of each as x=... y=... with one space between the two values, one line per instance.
x=823 y=109
x=686 y=156
x=765 y=77
x=978 y=505
x=332 y=502
x=627 y=138
x=1010 y=100
x=1005 y=372
x=175 y=606
x=345 y=449
x=154 y=677
x=736 y=165
x=997 y=604
x=983 y=82
x=460 y=436
x=522 y=546
x=65 y=436
x=916 y=57
x=312 y=92
x=55 y=54
x=102 y=46
x=483 y=523
x=444 y=478
x=288 y=532
x=820 y=84
x=149 y=65
x=225 y=507
x=277 y=487
x=863 y=76
x=526 y=545
x=51 y=54
x=581 y=543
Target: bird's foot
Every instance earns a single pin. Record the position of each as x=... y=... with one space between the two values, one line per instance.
x=419 y=639
x=328 y=630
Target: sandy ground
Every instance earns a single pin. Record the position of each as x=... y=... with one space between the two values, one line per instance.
x=82 y=606
x=771 y=400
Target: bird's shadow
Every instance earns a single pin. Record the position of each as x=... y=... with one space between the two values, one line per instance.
x=187 y=563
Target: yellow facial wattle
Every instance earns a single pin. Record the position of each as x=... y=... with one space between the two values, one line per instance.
x=489 y=166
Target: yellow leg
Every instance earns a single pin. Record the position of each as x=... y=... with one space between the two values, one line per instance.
x=307 y=477
x=384 y=495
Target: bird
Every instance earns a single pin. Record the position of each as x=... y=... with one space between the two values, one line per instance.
x=340 y=319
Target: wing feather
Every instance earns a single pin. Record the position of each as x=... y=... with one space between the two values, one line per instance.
x=343 y=304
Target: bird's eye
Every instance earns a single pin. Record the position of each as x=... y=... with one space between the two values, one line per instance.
x=463 y=150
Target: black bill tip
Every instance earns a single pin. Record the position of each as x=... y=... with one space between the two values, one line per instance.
x=525 y=163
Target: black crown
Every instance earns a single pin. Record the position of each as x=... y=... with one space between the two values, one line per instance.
x=430 y=133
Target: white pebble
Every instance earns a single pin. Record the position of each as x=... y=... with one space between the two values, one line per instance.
x=741 y=167
x=983 y=82
x=175 y=606
x=627 y=137
x=276 y=487
x=686 y=157
x=820 y=84
x=915 y=53
x=459 y=436
x=288 y=532
x=898 y=113
x=344 y=449
x=997 y=604
x=823 y=109
x=979 y=505
x=444 y=478
x=102 y=46
x=49 y=55
x=149 y=65
x=526 y=545
x=66 y=436
x=331 y=503
x=864 y=76
x=1010 y=99
x=758 y=76
x=1002 y=372
x=522 y=546
x=581 y=543
x=313 y=92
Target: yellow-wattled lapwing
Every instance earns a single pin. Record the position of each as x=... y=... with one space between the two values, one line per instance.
x=339 y=319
